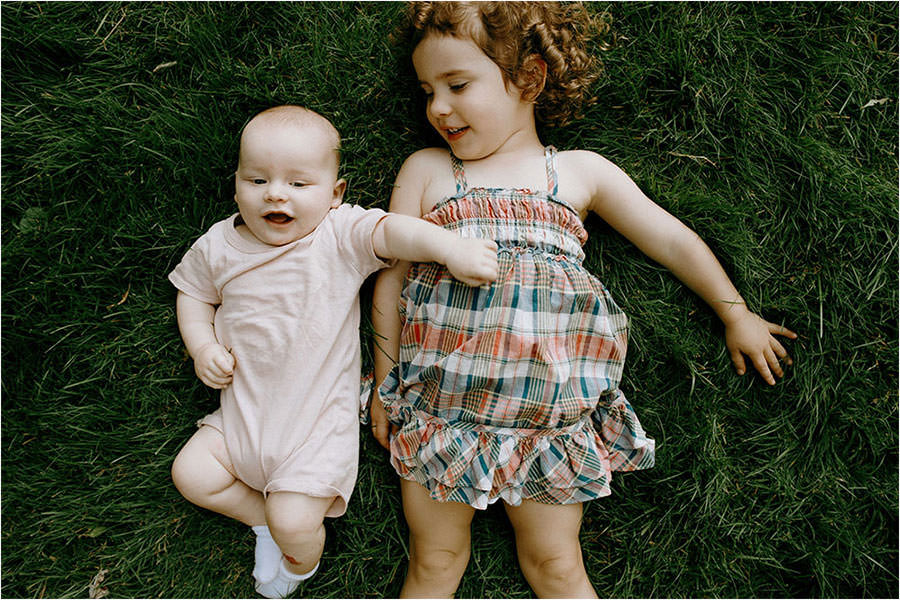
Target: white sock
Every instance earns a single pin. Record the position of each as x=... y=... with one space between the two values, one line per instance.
x=267 y=555
x=284 y=583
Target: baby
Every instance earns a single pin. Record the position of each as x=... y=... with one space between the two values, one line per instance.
x=268 y=308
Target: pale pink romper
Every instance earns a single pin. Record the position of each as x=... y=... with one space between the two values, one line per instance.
x=290 y=316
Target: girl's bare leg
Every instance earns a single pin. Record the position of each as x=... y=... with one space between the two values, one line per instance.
x=549 y=550
x=439 y=543
x=203 y=473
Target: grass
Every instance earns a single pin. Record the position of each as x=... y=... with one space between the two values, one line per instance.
x=771 y=129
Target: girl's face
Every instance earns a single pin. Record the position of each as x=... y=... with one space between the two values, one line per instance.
x=468 y=103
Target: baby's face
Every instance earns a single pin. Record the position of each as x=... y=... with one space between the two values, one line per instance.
x=286 y=181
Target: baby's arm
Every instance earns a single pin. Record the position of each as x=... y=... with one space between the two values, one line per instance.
x=662 y=237
x=472 y=261
x=213 y=363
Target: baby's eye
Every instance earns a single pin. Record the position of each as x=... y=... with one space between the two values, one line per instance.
x=258 y=181
x=297 y=184
x=458 y=87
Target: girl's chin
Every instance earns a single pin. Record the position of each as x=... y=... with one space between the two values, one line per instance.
x=467 y=155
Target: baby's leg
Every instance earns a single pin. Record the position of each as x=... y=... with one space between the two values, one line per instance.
x=549 y=550
x=296 y=522
x=203 y=473
x=439 y=543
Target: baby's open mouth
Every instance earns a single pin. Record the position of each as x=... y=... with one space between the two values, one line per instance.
x=279 y=218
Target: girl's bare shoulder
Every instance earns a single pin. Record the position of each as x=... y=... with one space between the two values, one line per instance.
x=428 y=160
x=582 y=176
x=430 y=173
x=581 y=159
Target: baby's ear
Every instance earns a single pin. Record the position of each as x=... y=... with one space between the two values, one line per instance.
x=340 y=186
x=532 y=77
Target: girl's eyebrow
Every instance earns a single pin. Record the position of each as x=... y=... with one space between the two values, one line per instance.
x=445 y=75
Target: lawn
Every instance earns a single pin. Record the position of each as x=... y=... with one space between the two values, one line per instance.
x=769 y=128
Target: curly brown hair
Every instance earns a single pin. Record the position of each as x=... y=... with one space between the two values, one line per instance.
x=511 y=33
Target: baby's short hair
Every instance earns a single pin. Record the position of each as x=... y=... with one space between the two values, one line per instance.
x=292 y=114
x=510 y=32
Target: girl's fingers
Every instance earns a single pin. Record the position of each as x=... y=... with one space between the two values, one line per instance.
x=380 y=423
x=780 y=352
x=781 y=330
x=738 y=359
x=380 y=433
x=776 y=346
x=774 y=365
x=759 y=361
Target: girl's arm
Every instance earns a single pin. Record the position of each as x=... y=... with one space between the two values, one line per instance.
x=662 y=237
x=406 y=199
x=386 y=322
x=213 y=363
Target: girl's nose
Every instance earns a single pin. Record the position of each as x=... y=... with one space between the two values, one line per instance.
x=438 y=106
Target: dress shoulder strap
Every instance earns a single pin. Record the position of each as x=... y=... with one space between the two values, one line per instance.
x=459 y=174
x=552 y=178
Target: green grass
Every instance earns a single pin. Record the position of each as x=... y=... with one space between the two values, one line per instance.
x=753 y=123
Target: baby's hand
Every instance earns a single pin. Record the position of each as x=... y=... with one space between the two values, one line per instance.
x=473 y=261
x=752 y=335
x=214 y=365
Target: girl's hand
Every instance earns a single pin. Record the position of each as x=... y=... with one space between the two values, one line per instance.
x=381 y=427
x=214 y=365
x=752 y=335
x=473 y=261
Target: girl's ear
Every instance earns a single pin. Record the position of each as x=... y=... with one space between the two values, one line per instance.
x=532 y=77
x=337 y=197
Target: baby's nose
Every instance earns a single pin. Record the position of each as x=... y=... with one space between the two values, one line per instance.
x=276 y=191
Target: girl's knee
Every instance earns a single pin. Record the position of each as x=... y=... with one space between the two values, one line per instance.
x=439 y=563
x=554 y=568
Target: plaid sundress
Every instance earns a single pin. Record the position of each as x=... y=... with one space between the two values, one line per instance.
x=511 y=390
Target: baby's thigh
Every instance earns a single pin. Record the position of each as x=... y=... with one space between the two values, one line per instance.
x=204 y=462
x=293 y=512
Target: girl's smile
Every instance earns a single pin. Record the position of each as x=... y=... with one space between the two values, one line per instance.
x=455 y=134
x=468 y=101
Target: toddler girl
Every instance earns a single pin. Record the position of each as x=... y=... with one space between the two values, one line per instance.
x=268 y=306
x=510 y=391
